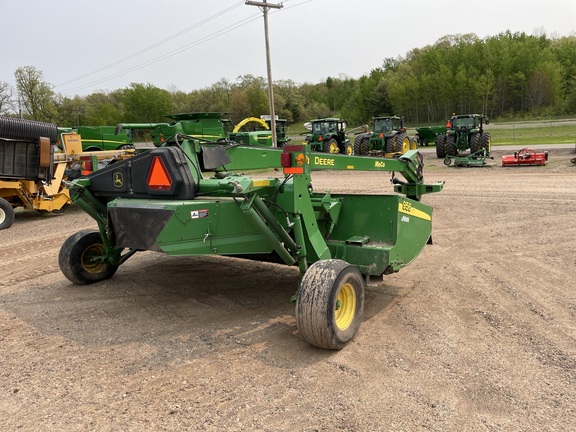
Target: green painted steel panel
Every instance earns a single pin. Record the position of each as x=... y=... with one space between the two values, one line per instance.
x=202 y=227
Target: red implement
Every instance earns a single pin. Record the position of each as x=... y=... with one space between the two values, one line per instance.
x=525 y=156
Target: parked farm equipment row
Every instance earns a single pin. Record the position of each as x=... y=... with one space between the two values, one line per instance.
x=388 y=137
x=164 y=200
x=212 y=127
x=101 y=138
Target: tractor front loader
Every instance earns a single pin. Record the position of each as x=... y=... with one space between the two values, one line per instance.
x=187 y=198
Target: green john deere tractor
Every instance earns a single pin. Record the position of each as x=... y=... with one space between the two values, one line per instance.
x=387 y=137
x=329 y=136
x=464 y=132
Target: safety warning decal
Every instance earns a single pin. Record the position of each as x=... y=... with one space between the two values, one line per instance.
x=197 y=214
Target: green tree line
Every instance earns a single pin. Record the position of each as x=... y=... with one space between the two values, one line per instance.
x=508 y=75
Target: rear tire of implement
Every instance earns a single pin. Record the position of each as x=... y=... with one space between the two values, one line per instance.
x=75 y=258
x=330 y=304
x=6 y=214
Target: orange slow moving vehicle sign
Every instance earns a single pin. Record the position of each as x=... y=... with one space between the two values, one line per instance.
x=158 y=177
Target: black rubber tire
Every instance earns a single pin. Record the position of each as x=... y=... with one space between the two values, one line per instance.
x=329 y=145
x=451 y=148
x=441 y=146
x=127 y=147
x=390 y=145
x=6 y=214
x=402 y=143
x=475 y=143
x=330 y=304
x=75 y=256
x=362 y=145
x=347 y=148
x=61 y=210
x=487 y=142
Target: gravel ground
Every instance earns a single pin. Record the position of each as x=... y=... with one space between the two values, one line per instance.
x=478 y=334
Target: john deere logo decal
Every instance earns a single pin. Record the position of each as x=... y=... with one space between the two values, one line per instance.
x=118 y=179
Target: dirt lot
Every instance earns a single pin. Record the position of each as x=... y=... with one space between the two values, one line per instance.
x=478 y=334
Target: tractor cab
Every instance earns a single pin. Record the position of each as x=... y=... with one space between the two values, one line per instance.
x=387 y=124
x=468 y=122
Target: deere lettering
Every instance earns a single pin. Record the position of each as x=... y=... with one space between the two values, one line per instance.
x=379 y=164
x=323 y=161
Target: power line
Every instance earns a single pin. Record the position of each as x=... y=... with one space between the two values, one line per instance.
x=171 y=53
x=167 y=55
x=157 y=44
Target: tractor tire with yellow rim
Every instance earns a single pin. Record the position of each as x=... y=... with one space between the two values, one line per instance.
x=82 y=258
x=347 y=148
x=330 y=303
x=331 y=146
x=402 y=143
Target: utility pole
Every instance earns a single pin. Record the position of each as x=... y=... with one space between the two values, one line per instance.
x=264 y=6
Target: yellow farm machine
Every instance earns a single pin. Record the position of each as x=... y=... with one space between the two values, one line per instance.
x=33 y=169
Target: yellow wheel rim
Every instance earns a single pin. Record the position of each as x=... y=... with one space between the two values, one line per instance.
x=87 y=259
x=345 y=308
x=349 y=150
x=405 y=145
x=334 y=148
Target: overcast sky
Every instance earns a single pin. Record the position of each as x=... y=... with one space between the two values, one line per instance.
x=83 y=46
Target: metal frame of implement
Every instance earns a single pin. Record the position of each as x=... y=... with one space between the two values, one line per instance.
x=163 y=200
